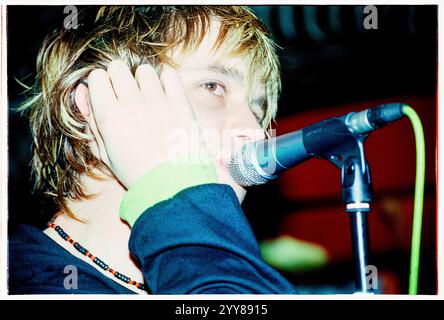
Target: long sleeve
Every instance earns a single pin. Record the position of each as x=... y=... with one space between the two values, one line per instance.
x=199 y=242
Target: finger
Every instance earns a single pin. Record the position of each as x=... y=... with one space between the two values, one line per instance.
x=124 y=84
x=149 y=83
x=101 y=93
x=174 y=89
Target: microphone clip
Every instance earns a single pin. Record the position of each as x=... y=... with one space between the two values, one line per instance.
x=344 y=149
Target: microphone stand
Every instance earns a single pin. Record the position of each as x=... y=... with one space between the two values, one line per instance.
x=356 y=194
x=348 y=155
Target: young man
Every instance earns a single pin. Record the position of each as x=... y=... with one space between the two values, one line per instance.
x=142 y=208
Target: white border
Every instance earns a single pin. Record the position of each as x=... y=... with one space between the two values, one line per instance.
x=217 y=297
x=4 y=165
x=233 y=2
x=440 y=173
x=4 y=154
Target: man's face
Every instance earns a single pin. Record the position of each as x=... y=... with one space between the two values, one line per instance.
x=217 y=90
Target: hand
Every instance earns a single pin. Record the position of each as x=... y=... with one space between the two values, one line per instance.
x=134 y=116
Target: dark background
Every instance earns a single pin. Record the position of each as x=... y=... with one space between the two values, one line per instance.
x=330 y=65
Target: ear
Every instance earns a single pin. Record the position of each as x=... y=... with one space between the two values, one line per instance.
x=81 y=98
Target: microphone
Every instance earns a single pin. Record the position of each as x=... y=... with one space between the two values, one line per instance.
x=261 y=161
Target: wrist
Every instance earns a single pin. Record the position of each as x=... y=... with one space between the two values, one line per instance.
x=166 y=180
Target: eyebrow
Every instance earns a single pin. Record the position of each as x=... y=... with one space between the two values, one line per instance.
x=225 y=71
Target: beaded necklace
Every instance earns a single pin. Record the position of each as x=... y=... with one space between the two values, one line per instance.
x=94 y=259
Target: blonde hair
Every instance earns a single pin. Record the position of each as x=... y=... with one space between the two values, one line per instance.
x=136 y=35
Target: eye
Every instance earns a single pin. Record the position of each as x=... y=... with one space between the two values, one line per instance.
x=215 y=88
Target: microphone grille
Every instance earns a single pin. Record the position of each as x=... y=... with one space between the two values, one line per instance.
x=242 y=168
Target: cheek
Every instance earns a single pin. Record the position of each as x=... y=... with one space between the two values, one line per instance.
x=209 y=111
x=212 y=120
x=212 y=126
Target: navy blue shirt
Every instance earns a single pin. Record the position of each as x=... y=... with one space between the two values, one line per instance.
x=198 y=242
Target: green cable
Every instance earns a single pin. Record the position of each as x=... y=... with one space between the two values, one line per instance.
x=419 y=197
